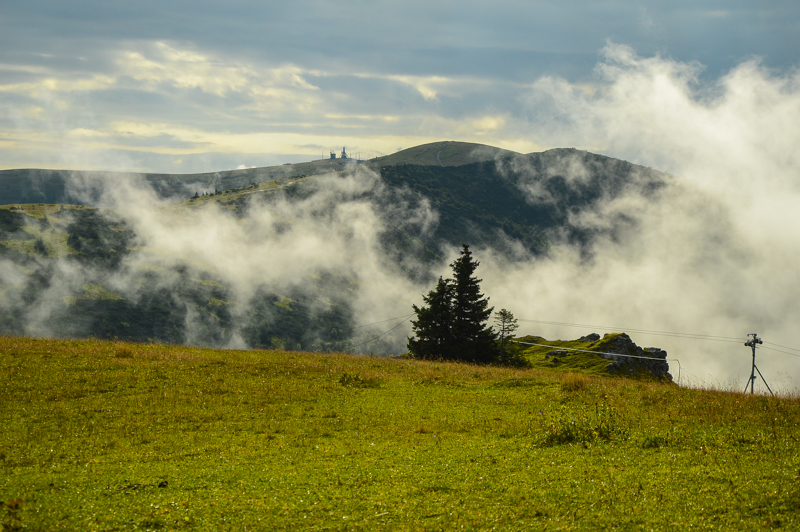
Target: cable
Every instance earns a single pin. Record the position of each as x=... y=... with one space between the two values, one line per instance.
x=783 y=346
x=779 y=351
x=663 y=333
x=680 y=369
x=384 y=321
x=585 y=351
x=383 y=334
x=692 y=336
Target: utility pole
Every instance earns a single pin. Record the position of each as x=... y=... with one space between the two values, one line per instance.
x=752 y=344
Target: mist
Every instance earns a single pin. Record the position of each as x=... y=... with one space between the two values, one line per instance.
x=716 y=253
x=285 y=242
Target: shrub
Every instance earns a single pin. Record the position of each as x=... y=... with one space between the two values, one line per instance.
x=584 y=425
x=573 y=382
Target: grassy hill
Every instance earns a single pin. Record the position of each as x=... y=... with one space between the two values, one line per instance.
x=114 y=436
x=21 y=186
x=444 y=153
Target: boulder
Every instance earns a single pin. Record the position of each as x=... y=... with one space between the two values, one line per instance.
x=627 y=357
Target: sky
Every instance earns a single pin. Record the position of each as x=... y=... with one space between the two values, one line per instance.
x=179 y=86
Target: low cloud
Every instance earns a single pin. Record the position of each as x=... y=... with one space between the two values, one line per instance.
x=287 y=242
x=715 y=253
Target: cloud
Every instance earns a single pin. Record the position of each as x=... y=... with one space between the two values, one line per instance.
x=359 y=74
x=181 y=102
x=281 y=243
x=427 y=86
x=713 y=255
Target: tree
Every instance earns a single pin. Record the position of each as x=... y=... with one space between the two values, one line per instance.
x=474 y=340
x=506 y=324
x=433 y=326
x=453 y=325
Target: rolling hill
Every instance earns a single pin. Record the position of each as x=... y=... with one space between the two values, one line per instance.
x=54 y=186
x=443 y=153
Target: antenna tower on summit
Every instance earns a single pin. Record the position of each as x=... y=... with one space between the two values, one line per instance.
x=752 y=344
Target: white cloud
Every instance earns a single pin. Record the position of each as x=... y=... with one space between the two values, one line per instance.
x=717 y=255
x=253 y=110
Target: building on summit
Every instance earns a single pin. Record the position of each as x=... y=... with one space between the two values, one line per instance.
x=342 y=156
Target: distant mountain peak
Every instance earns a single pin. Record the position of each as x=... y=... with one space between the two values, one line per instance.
x=443 y=153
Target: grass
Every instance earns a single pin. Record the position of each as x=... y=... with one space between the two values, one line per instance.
x=232 y=198
x=113 y=436
x=41 y=210
x=570 y=361
x=566 y=361
x=50 y=241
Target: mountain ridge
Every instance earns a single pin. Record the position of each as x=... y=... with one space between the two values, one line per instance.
x=53 y=186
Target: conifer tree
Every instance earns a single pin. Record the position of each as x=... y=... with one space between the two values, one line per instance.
x=506 y=325
x=433 y=326
x=474 y=341
x=453 y=324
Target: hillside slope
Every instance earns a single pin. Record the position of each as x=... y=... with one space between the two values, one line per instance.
x=114 y=436
x=82 y=187
x=444 y=153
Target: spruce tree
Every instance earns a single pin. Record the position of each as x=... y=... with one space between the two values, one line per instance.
x=506 y=325
x=473 y=340
x=433 y=326
x=452 y=325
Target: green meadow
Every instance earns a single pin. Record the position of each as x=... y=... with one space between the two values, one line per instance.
x=99 y=435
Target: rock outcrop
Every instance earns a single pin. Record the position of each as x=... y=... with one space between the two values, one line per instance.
x=650 y=360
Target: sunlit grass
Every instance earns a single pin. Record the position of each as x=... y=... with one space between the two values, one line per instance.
x=41 y=210
x=116 y=436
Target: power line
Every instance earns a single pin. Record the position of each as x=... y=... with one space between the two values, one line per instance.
x=779 y=351
x=691 y=336
x=585 y=351
x=384 y=321
x=783 y=346
x=662 y=333
x=383 y=334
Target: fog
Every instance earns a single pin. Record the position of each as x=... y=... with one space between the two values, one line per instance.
x=280 y=242
x=716 y=254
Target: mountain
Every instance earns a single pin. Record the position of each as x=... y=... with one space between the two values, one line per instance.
x=443 y=153
x=56 y=186
x=295 y=256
